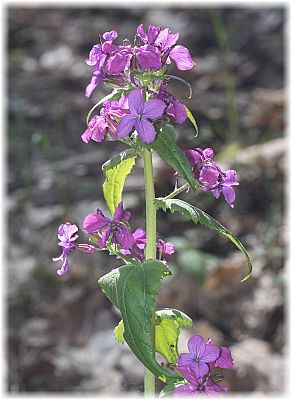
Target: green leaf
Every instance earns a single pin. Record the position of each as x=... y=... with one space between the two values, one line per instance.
x=168 y=324
x=114 y=183
x=118 y=158
x=119 y=332
x=193 y=121
x=133 y=289
x=198 y=216
x=164 y=144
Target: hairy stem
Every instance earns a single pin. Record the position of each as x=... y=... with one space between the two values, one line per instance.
x=150 y=252
x=177 y=191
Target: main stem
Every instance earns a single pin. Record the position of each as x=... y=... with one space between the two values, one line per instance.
x=150 y=252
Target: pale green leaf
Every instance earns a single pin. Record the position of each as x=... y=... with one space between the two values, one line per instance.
x=193 y=121
x=114 y=183
x=168 y=324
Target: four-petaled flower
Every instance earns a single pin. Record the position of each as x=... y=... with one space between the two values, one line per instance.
x=140 y=113
x=199 y=356
x=67 y=237
x=119 y=232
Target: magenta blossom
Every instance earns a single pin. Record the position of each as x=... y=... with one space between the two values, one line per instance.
x=174 y=108
x=210 y=175
x=96 y=60
x=119 y=232
x=140 y=113
x=67 y=237
x=165 y=41
x=164 y=248
x=197 y=386
x=199 y=356
x=104 y=125
x=224 y=360
x=137 y=249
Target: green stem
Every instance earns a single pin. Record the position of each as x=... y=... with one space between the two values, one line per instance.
x=177 y=191
x=150 y=252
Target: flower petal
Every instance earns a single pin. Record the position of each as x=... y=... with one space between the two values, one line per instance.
x=145 y=130
x=186 y=391
x=153 y=108
x=125 y=125
x=178 y=111
x=185 y=360
x=95 y=221
x=181 y=56
x=136 y=101
x=225 y=359
x=197 y=346
x=188 y=374
x=211 y=353
x=229 y=194
x=200 y=369
x=104 y=238
x=123 y=237
x=120 y=214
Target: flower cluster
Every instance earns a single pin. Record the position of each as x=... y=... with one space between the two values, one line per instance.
x=151 y=51
x=196 y=367
x=113 y=231
x=139 y=103
x=210 y=175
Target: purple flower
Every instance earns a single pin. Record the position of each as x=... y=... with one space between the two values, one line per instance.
x=96 y=129
x=137 y=249
x=106 y=123
x=225 y=359
x=67 y=237
x=174 y=107
x=197 y=386
x=207 y=172
x=96 y=59
x=228 y=179
x=148 y=57
x=152 y=34
x=199 y=356
x=115 y=228
x=140 y=112
x=164 y=248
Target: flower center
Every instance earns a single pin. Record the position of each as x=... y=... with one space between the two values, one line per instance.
x=197 y=359
x=139 y=116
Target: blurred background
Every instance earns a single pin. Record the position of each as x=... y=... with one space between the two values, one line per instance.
x=60 y=328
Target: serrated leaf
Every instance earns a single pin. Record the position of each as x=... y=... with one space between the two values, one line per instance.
x=114 y=183
x=193 y=121
x=119 y=332
x=133 y=289
x=164 y=144
x=199 y=216
x=168 y=324
x=118 y=158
